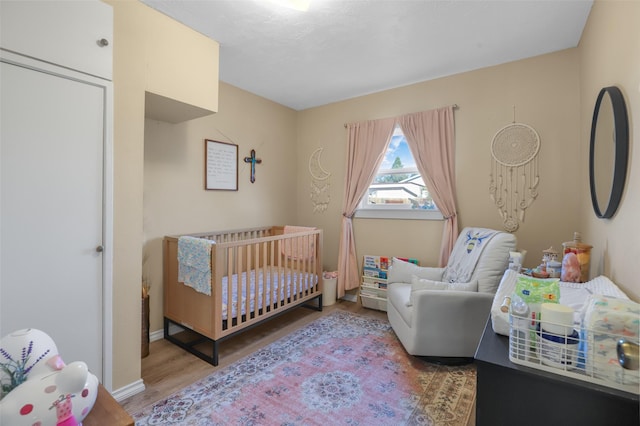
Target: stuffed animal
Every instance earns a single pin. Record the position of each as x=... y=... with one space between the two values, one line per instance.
x=42 y=389
x=570 y=268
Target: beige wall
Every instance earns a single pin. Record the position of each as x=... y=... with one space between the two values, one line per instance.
x=136 y=28
x=610 y=55
x=545 y=93
x=175 y=201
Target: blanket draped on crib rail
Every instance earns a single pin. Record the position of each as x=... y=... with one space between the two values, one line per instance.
x=194 y=263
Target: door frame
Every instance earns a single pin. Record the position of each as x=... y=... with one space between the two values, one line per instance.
x=107 y=195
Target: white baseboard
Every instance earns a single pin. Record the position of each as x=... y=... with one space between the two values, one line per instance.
x=128 y=390
x=159 y=334
x=156 y=335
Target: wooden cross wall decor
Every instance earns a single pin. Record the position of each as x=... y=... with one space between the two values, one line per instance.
x=253 y=160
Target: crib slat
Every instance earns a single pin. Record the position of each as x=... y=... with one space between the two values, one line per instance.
x=265 y=278
x=246 y=272
x=304 y=261
x=295 y=265
x=290 y=278
x=305 y=268
x=241 y=283
x=281 y=283
x=229 y=275
x=274 y=274
x=310 y=280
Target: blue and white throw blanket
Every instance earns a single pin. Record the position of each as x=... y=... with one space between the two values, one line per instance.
x=194 y=263
x=466 y=253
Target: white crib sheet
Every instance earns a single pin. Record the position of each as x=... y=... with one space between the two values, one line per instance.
x=288 y=282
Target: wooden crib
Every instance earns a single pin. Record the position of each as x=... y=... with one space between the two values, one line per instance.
x=266 y=271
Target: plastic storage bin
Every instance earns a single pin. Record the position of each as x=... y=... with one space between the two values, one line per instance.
x=569 y=354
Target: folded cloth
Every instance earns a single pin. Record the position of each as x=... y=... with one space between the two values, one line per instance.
x=194 y=263
x=298 y=248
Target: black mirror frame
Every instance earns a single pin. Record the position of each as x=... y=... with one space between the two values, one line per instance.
x=621 y=124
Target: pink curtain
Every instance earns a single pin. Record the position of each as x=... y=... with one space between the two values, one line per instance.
x=366 y=148
x=431 y=138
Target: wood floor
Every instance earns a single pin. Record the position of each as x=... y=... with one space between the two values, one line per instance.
x=169 y=368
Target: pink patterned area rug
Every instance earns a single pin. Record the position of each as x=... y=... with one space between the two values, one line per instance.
x=342 y=369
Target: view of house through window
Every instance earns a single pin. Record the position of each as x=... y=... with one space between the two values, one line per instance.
x=398 y=184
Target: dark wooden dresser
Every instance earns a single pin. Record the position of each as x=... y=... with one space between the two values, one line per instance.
x=513 y=394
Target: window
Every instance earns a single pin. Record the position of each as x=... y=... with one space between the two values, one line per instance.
x=398 y=190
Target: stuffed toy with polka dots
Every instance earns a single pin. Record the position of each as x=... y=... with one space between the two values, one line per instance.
x=38 y=389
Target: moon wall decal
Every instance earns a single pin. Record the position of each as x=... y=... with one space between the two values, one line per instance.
x=315 y=168
x=319 y=189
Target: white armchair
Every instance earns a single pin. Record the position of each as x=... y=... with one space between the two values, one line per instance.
x=442 y=312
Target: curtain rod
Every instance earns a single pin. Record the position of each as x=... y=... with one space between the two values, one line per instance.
x=454 y=106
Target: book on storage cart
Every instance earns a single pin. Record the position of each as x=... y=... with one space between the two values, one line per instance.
x=374 y=286
x=374 y=272
x=376 y=262
x=374 y=282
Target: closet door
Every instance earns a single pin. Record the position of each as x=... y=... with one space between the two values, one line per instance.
x=52 y=134
x=73 y=34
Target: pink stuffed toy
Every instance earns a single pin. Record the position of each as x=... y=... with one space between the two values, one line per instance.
x=570 y=268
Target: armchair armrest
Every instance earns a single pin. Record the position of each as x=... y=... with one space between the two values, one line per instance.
x=430 y=273
x=451 y=319
x=401 y=272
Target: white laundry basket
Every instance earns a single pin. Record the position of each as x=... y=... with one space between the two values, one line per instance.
x=329 y=291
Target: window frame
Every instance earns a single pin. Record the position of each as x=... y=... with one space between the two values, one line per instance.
x=391 y=211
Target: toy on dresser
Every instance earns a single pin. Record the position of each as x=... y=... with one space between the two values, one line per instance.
x=549 y=268
x=576 y=257
x=574 y=267
x=37 y=387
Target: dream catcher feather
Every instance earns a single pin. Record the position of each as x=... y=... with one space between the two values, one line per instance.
x=514 y=172
x=320 y=183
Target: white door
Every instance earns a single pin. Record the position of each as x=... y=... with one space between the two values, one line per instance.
x=51 y=223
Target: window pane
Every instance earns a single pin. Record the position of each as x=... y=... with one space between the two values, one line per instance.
x=398 y=183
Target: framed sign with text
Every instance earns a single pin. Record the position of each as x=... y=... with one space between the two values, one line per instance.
x=221 y=165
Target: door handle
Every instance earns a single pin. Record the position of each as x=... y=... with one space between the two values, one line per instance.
x=100 y=249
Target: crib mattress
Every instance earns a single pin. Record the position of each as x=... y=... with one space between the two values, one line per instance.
x=276 y=285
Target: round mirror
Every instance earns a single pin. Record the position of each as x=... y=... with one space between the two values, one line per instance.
x=609 y=148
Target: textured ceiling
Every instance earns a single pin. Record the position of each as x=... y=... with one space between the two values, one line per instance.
x=340 y=49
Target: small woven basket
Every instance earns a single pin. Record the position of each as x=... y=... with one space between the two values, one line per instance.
x=145 y=327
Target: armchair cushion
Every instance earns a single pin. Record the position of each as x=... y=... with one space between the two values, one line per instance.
x=418 y=284
x=402 y=272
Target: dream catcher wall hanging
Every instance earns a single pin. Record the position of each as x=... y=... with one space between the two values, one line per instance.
x=320 y=184
x=514 y=172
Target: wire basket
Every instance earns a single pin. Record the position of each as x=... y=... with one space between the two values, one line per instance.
x=581 y=354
